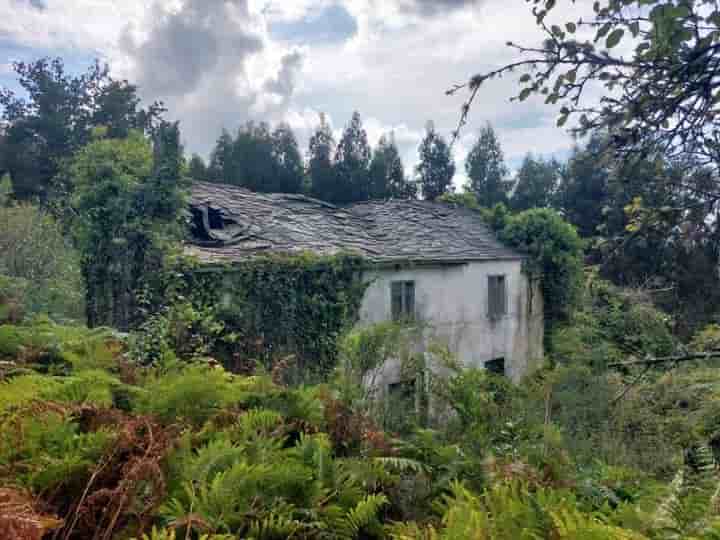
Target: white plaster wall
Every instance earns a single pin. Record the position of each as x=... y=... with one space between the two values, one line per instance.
x=453 y=301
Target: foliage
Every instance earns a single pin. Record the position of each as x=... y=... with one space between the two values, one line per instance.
x=129 y=201
x=671 y=50
x=486 y=169
x=363 y=355
x=583 y=192
x=191 y=394
x=387 y=175
x=278 y=308
x=352 y=163
x=437 y=167
x=39 y=268
x=611 y=325
x=555 y=257
x=55 y=116
x=321 y=150
x=535 y=184
x=258 y=158
x=197 y=170
x=179 y=449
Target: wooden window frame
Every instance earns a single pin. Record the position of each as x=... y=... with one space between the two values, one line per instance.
x=497 y=303
x=402 y=300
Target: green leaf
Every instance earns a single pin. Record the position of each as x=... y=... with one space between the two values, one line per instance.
x=602 y=31
x=634 y=28
x=614 y=38
x=571 y=27
x=561 y=121
x=524 y=94
x=525 y=78
x=571 y=76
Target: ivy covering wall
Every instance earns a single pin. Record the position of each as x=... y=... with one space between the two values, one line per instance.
x=280 y=307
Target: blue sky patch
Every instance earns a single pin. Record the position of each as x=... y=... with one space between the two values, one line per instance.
x=332 y=24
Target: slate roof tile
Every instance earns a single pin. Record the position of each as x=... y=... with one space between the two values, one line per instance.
x=382 y=231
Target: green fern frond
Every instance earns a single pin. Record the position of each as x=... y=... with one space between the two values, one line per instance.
x=158 y=534
x=404 y=465
x=365 y=513
x=275 y=527
x=260 y=422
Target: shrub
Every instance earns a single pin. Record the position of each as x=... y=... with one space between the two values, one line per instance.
x=555 y=257
x=42 y=450
x=41 y=262
x=191 y=394
x=611 y=325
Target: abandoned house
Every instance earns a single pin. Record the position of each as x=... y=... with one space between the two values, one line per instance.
x=432 y=262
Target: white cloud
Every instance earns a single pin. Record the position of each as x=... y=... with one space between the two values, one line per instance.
x=215 y=64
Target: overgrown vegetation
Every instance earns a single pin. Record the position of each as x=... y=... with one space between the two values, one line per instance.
x=39 y=267
x=244 y=403
x=276 y=309
x=92 y=443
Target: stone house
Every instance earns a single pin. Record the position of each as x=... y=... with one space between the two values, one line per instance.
x=429 y=261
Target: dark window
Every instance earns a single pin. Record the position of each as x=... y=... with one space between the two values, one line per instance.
x=496 y=365
x=401 y=406
x=402 y=391
x=402 y=296
x=215 y=220
x=497 y=297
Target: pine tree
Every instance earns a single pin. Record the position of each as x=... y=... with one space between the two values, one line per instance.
x=252 y=157
x=221 y=160
x=386 y=169
x=352 y=162
x=584 y=187
x=320 y=162
x=536 y=184
x=288 y=175
x=485 y=166
x=197 y=169
x=437 y=167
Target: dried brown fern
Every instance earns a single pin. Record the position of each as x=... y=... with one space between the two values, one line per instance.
x=20 y=518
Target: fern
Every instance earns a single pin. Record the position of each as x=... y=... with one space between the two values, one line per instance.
x=364 y=515
x=403 y=465
x=276 y=527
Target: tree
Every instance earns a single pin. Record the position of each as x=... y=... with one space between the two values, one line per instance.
x=221 y=160
x=662 y=90
x=582 y=194
x=57 y=118
x=437 y=167
x=320 y=162
x=485 y=166
x=197 y=169
x=535 y=184
x=288 y=175
x=387 y=174
x=253 y=164
x=352 y=162
x=128 y=198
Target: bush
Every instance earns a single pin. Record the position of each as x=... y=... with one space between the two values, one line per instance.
x=37 y=256
x=611 y=325
x=555 y=257
x=191 y=394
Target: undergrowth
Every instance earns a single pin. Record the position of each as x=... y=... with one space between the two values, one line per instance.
x=94 y=446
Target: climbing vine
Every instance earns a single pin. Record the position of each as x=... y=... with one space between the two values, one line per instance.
x=554 y=252
x=275 y=308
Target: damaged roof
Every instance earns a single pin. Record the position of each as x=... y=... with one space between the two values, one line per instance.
x=233 y=224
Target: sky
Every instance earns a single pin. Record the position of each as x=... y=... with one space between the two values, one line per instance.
x=218 y=63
